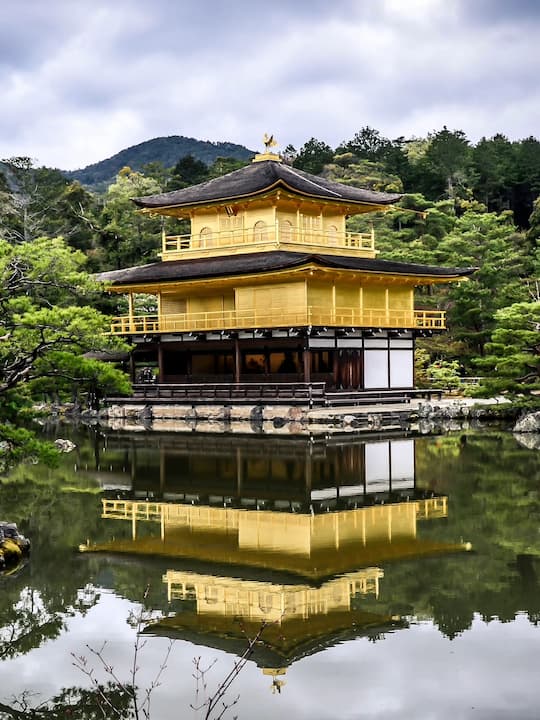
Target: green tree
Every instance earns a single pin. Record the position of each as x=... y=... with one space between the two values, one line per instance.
x=157 y=171
x=187 y=171
x=494 y=167
x=533 y=233
x=223 y=165
x=367 y=144
x=493 y=244
x=289 y=154
x=362 y=173
x=512 y=358
x=128 y=237
x=108 y=699
x=39 y=201
x=47 y=323
x=527 y=179
x=446 y=165
x=313 y=156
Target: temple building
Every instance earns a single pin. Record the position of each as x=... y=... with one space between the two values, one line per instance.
x=269 y=286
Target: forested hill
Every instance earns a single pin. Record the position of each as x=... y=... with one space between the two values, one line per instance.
x=166 y=150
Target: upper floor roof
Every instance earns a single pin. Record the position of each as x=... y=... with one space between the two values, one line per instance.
x=260 y=178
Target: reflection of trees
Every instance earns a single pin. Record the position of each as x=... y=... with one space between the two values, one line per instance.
x=35 y=602
x=56 y=509
x=109 y=700
x=26 y=624
x=494 y=492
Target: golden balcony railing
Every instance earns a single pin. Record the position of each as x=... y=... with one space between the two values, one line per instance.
x=271 y=236
x=277 y=318
x=129 y=510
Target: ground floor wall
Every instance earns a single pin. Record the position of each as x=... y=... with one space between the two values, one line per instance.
x=351 y=360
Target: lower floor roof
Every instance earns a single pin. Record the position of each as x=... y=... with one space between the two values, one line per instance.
x=272 y=261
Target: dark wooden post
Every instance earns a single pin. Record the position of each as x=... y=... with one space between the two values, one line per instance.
x=161 y=375
x=132 y=366
x=237 y=360
x=307 y=364
x=308 y=476
x=335 y=367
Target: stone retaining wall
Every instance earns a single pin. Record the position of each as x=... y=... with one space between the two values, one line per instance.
x=280 y=419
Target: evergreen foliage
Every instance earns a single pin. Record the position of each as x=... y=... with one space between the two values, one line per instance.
x=512 y=360
x=313 y=156
x=127 y=237
x=47 y=324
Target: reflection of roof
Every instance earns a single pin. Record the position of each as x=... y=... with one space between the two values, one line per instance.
x=217 y=548
x=271 y=261
x=262 y=177
x=280 y=645
x=312 y=547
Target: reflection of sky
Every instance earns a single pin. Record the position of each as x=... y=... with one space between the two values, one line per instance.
x=489 y=672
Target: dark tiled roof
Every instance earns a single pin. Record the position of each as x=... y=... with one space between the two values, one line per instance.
x=230 y=265
x=260 y=177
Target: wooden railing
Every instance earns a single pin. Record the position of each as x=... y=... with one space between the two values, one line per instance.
x=281 y=393
x=276 y=235
x=131 y=510
x=277 y=317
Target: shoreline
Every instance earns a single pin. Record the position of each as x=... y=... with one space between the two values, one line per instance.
x=419 y=416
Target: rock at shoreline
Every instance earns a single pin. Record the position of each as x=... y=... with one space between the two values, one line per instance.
x=528 y=424
x=64 y=445
x=531 y=441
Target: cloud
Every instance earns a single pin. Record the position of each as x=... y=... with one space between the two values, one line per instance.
x=83 y=80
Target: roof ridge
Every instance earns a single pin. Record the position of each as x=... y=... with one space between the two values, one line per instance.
x=303 y=176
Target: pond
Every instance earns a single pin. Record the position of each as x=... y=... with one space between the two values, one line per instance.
x=368 y=577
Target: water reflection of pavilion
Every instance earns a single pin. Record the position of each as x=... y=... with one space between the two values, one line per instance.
x=305 y=562
x=313 y=546
x=292 y=473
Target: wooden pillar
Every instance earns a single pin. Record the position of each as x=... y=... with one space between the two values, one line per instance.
x=307 y=364
x=131 y=307
x=308 y=475
x=161 y=374
x=132 y=367
x=335 y=367
x=237 y=360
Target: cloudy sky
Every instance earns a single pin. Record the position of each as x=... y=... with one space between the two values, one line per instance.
x=83 y=79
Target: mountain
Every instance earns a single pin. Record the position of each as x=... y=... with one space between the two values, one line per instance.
x=167 y=150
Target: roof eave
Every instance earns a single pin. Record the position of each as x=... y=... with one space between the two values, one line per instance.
x=278 y=184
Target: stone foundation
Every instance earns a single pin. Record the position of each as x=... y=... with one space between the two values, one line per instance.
x=286 y=420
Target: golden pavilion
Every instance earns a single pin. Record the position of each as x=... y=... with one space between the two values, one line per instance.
x=270 y=287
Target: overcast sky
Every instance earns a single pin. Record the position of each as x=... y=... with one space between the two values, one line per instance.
x=83 y=79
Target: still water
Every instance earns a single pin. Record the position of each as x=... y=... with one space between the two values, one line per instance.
x=380 y=578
